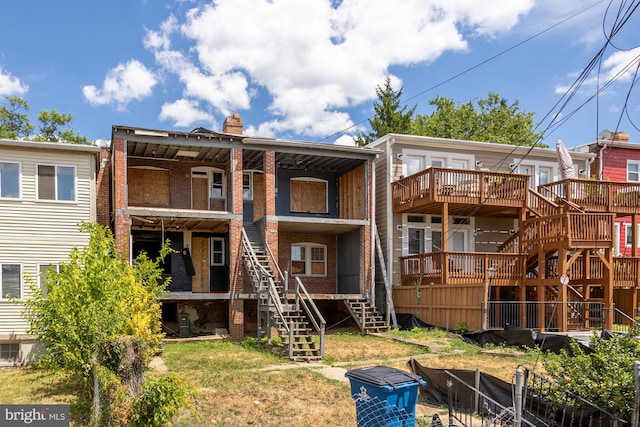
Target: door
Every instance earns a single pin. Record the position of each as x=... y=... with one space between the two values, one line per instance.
x=219 y=273
x=200 y=256
x=199 y=192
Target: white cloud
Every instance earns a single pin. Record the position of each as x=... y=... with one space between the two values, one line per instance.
x=184 y=113
x=10 y=85
x=345 y=140
x=123 y=84
x=316 y=58
x=620 y=67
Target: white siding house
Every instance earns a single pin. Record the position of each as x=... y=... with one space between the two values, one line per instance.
x=46 y=190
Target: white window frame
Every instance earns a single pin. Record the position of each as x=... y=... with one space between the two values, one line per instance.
x=19 y=181
x=2 y=291
x=635 y=163
x=199 y=170
x=308 y=246
x=430 y=156
x=628 y=235
x=537 y=166
x=40 y=266
x=430 y=227
x=56 y=186
x=212 y=252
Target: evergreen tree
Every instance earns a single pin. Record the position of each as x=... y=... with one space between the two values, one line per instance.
x=389 y=116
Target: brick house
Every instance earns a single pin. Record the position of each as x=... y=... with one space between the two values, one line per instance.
x=236 y=210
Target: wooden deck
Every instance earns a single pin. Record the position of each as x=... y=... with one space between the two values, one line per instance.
x=464 y=190
x=622 y=198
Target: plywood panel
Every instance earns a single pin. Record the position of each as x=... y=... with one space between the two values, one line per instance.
x=308 y=196
x=258 y=196
x=199 y=193
x=352 y=194
x=148 y=187
x=200 y=256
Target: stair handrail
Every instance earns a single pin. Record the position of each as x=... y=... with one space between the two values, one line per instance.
x=260 y=270
x=281 y=276
x=312 y=311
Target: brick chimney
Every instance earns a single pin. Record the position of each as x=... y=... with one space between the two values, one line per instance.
x=232 y=124
x=620 y=137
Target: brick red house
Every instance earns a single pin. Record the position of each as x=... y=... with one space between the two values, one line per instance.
x=618 y=160
x=249 y=219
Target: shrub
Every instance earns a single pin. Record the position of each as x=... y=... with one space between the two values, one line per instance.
x=159 y=401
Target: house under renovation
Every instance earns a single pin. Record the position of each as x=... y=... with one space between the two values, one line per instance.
x=267 y=234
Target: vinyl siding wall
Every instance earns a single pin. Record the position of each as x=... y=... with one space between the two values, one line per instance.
x=34 y=232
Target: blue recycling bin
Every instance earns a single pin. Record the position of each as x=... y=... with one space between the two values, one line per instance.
x=385 y=397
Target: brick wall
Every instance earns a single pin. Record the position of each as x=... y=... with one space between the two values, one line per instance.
x=320 y=285
x=103 y=185
x=121 y=221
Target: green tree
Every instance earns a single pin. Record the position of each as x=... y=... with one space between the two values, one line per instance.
x=50 y=124
x=99 y=312
x=389 y=116
x=54 y=126
x=603 y=377
x=14 y=121
x=492 y=119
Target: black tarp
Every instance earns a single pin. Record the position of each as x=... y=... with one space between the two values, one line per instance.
x=524 y=338
x=406 y=322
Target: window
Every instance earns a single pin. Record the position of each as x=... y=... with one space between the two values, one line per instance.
x=247 y=186
x=633 y=171
x=10 y=281
x=308 y=259
x=9 y=180
x=217 y=251
x=414 y=164
x=629 y=235
x=416 y=241
x=544 y=176
x=9 y=351
x=43 y=275
x=56 y=183
x=217 y=185
x=308 y=195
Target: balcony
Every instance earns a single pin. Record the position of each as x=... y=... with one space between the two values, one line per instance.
x=596 y=196
x=463 y=189
x=462 y=268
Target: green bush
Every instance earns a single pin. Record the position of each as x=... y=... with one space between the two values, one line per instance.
x=159 y=401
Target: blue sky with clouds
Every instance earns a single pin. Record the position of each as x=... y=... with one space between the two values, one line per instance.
x=308 y=69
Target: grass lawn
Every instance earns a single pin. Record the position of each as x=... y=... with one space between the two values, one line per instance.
x=239 y=384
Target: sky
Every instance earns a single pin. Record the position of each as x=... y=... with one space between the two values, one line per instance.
x=308 y=70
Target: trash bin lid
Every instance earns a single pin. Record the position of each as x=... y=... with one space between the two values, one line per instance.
x=384 y=375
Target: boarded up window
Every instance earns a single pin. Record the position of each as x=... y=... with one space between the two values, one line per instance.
x=149 y=187
x=308 y=195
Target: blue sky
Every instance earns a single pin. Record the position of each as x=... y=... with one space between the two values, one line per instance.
x=307 y=70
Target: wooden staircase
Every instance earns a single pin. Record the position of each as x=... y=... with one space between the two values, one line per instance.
x=368 y=320
x=291 y=313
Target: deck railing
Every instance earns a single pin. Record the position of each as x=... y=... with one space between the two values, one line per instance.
x=437 y=184
x=599 y=196
x=528 y=314
x=461 y=268
x=577 y=228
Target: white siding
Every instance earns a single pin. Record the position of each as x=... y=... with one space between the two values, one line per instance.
x=34 y=232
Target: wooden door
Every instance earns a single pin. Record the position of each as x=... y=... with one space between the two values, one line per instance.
x=200 y=193
x=200 y=256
